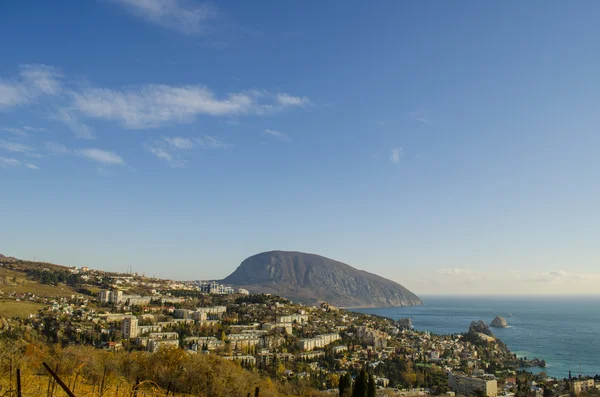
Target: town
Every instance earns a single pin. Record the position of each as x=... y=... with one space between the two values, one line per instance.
x=281 y=339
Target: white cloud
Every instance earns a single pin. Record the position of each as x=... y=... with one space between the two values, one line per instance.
x=184 y=16
x=34 y=81
x=423 y=116
x=35 y=129
x=210 y=142
x=9 y=163
x=133 y=107
x=42 y=78
x=162 y=154
x=547 y=277
x=179 y=143
x=56 y=148
x=453 y=271
x=12 y=94
x=15 y=147
x=395 y=155
x=101 y=156
x=277 y=134
x=153 y=105
x=22 y=131
x=81 y=130
x=289 y=100
x=14 y=131
x=169 y=148
x=14 y=163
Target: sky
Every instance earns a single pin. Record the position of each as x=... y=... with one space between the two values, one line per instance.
x=449 y=146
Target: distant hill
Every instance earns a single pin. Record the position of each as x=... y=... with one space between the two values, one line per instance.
x=309 y=278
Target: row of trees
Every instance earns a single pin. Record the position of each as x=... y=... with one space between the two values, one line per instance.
x=364 y=386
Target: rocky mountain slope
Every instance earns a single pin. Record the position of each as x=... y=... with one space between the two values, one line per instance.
x=309 y=278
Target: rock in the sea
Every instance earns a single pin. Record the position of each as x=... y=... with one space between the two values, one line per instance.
x=499 y=322
x=480 y=327
x=405 y=323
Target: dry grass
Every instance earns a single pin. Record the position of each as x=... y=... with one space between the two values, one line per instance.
x=11 y=309
x=39 y=289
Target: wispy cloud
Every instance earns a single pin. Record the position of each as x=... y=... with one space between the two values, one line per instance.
x=35 y=129
x=56 y=148
x=153 y=105
x=547 y=277
x=162 y=154
x=101 y=156
x=452 y=271
x=395 y=155
x=187 y=17
x=9 y=163
x=276 y=134
x=23 y=132
x=15 y=147
x=169 y=149
x=290 y=100
x=6 y=162
x=34 y=81
x=457 y=274
x=132 y=107
x=424 y=116
x=179 y=142
x=42 y=78
x=80 y=130
x=15 y=131
x=210 y=142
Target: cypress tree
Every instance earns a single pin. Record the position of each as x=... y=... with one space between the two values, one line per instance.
x=372 y=388
x=361 y=384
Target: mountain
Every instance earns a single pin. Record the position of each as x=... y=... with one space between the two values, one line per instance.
x=309 y=278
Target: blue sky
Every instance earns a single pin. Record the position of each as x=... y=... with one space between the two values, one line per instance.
x=450 y=146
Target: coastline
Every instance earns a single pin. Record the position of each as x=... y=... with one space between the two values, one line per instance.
x=541 y=326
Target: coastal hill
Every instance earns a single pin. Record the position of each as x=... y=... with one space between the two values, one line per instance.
x=309 y=278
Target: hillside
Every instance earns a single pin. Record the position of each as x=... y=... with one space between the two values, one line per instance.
x=310 y=278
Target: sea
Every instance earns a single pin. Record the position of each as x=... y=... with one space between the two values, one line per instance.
x=564 y=331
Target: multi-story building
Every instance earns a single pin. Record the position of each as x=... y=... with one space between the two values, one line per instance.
x=317 y=342
x=293 y=318
x=471 y=386
x=115 y=296
x=199 y=316
x=155 y=345
x=244 y=340
x=213 y=310
x=215 y=288
x=370 y=336
x=581 y=385
x=129 y=327
x=103 y=296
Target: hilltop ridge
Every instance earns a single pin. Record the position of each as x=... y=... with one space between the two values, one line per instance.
x=310 y=278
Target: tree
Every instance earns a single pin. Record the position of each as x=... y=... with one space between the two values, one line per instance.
x=372 y=387
x=345 y=386
x=361 y=385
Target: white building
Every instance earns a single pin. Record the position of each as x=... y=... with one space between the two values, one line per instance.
x=155 y=345
x=318 y=342
x=129 y=327
x=293 y=318
x=470 y=386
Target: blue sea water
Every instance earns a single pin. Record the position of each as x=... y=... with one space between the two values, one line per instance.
x=564 y=331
